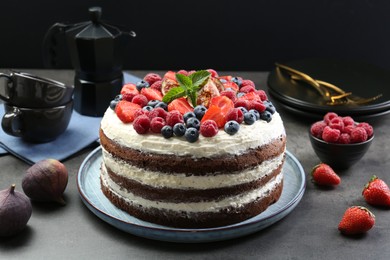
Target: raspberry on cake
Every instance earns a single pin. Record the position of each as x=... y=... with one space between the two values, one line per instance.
x=207 y=166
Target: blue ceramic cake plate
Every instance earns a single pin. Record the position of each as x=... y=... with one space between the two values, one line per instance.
x=89 y=187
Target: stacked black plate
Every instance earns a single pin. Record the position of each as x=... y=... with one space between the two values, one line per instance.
x=362 y=79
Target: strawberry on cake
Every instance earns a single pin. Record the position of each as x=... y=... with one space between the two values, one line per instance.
x=192 y=150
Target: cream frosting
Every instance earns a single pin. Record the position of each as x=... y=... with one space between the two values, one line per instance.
x=182 y=181
x=193 y=207
x=248 y=137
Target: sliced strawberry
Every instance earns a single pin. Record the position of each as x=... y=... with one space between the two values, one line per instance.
x=181 y=105
x=170 y=75
x=218 y=110
x=151 y=94
x=231 y=85
x=126 y=110
x=227 y=78
x=251 y=96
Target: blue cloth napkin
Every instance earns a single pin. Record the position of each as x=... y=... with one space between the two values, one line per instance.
x=82 y=132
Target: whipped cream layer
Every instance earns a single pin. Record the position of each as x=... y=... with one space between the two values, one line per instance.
x=183 y=181
x=248 y=137
x=193 y=207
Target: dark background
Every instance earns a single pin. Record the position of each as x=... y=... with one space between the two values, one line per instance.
x=224 y=35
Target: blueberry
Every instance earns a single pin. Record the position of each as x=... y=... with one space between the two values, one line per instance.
x=113 y=104
x=232 y=127
x=240 y=94
x=141 y=84
x=192 y=134
x=167 y=131
x=193 y=122
x=257 y=114
x=243 y=109
x=266 y=116
x=163 y=105
x=249 y=118
x=223 y=80
x=188 y=115
x=179 y=129
x=148 y=108
x=269 y=106
x=199 y=111
x=118 y=97
x=236 y=80
x=153 y=103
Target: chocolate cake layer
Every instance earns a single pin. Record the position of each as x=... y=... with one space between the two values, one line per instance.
x=189 y=195
x=199 y=219
x=195 y=166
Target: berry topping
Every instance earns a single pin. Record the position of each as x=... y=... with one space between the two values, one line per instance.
x=209 y=128
x=152 y=78
x=232 y=127
x=157 y=85
x=181 y=105
x=242 y=103
x=213 y=73
x=174 y=117
x=141 y=124
x=247 y=89
x=113 y=104
x=153 y=103
x=128 y=91
x=179 y=129
x=188 y=115
x=247 y=82
x=151 y=94
x=193 y=122
x=230 y=94
x=256 y=113
x=162 y=105
x=125 y=111
x=141 y=85
x=330 y=135
x=140 y=112
x=199 y=111
x=257 y=105
x=191 y=134
x=158 y=112
x=266 y=116
x=261 y=93
x=167 y=131
x=269 y=106
x=156 y=124
x=147 y=108
x=237 y=80
x=249 y=118
x=231 y=85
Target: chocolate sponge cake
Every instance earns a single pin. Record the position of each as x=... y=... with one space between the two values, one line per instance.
x=220 y=178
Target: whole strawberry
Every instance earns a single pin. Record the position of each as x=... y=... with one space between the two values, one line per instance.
x=376 y=192
x=323 y=174
x=356 y=220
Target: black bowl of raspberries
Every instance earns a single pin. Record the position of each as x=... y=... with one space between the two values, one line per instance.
x=340 y=141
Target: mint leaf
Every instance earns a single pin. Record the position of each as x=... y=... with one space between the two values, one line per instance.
x=173 y=94
x=184 y=81
x=199 y=77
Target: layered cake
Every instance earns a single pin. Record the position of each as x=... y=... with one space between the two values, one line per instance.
x=192 y=150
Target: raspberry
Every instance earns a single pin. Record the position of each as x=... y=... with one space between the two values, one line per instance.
x=209 y=128
x=151 y=78
x=157 y=85
x=369 y=129
x=336 y=123
x=128 y=96
x=141 y=124
x=347 y=120
x=156 y=124
x=174 y=117
x=344 y=138
x=231 y=85
x=247 y=89
x=247 y=82
x=257 y=105
x=183 y=72
x=358 y=135
x=329 y=116
x=235 y=114
x=140 y=112
x=140 y=100
x=317 y=128
x=213 y=73
x=348 y=129
x=241 y=103
x=158 y=112
x=230 y=94
x=261 y=93
x=330 y=135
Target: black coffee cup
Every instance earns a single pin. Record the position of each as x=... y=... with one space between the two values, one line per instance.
x=36 y=125
x=26 y=90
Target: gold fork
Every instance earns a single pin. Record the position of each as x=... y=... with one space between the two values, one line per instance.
x=342 y=98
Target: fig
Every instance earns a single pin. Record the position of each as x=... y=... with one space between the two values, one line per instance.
x=46 y=180
x=15 y=211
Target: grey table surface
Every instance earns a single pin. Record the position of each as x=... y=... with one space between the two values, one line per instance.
x=308 y=232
